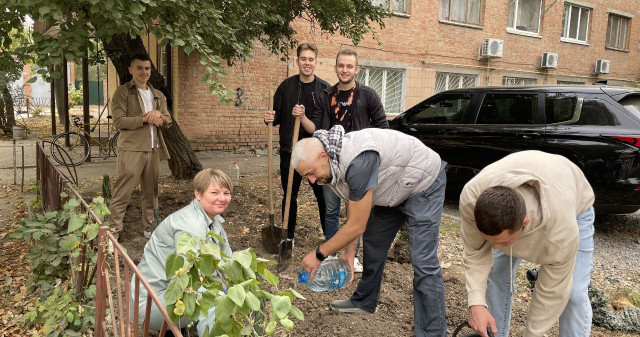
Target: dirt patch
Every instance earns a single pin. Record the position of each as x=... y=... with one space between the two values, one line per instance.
x=248 y=213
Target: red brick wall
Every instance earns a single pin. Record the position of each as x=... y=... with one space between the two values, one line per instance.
x=421 y=42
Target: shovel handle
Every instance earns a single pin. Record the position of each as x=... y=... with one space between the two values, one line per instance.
x=270 y=155
x=287 y=202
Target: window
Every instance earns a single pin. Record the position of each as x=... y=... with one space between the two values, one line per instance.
x=570 y=82
x=595 y=112
x=617 y=28
x=447 y=81
x=561 y=107
x=575 y=23
x=508 y=80
x=524 y=15
x=388 y=83
x=464 y=11
x=392 y=5
x=446 y=109
x=508 y=109
x=632 y=104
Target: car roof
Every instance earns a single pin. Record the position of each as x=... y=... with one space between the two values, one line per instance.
x=612 y=91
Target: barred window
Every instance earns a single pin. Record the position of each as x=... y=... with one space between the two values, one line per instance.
x=388 y=83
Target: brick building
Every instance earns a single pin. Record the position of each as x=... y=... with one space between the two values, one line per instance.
x=426 y=47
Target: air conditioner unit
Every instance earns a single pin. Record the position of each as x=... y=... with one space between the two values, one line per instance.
x=602 y=66
x=491 y=48
x=549 y=60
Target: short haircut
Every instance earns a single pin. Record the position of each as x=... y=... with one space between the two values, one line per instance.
x=347 y=52
x=306 y=46
x=208 y=177
x=140 y=56
x=306 y=149
x=499 y=208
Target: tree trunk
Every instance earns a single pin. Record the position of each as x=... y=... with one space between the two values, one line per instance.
x=9 y=113
x=3 y=118
x=183 y=163
x=59 y=92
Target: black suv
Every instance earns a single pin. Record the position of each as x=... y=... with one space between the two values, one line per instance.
x=598 y=128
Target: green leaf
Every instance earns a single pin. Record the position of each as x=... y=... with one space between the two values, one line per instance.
x=287 y=323
x=295 y=312
x=173 y=264
x=176 y=288
x=271 y=327
x=246 y=330
x=272 y=279
x=243 y=257
x=32 y=80
x=186 y=242
x=296 y=294
x=236 y=294
x=44 y=10
x=224 y=308
x=206 y=263
x=234 y=271
x=211 y=248
x=252 y=301
x=281 y=305
x=75 y=221
x=189 y=300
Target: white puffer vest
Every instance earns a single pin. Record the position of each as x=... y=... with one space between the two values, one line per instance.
x=406 y=165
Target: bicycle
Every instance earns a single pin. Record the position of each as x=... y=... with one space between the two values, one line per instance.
x=78 y=143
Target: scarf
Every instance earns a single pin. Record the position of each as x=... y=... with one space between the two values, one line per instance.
x=332 y=142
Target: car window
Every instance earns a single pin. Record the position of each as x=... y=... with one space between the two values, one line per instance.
x=632 y=104
x=444 y=109
x=508 y=109
x=561 y=107
x=595 y=112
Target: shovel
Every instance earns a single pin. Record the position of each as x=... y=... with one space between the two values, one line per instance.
x=271 y=234
x=156 y=211
x=286 y=245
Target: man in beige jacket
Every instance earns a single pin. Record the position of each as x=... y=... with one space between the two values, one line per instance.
x=535 y=206
x=138 y=111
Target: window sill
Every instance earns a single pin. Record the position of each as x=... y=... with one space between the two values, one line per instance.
x=523 y=33
x=461 y=24
x=582 y=43
x=401 y=14
x=616 y=49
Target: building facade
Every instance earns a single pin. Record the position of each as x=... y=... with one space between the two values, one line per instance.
x=427 y=46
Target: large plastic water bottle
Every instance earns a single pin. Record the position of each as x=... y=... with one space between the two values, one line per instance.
x=234 y=173
x=332 y=274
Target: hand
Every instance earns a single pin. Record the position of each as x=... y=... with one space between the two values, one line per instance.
x=310 y=264
x=154 y=117
x=298 y=111
x=349 y=258
x=480 y=319
x=269 y=116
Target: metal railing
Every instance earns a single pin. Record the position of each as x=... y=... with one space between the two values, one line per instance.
x=53 y=182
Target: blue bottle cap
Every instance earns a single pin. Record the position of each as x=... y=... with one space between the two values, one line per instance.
x=303 y=277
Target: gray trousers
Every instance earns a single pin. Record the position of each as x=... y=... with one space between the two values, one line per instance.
x=421 y=213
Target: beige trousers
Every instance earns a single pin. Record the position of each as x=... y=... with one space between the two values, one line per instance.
x=132 y=166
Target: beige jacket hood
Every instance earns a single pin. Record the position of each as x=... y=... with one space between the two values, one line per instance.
x=555 y=192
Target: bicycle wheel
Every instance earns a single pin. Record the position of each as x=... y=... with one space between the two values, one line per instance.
x=114 y=143
x=75 y=150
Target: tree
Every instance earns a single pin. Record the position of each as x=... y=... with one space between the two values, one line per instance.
x=218 y=30
x=10 y=70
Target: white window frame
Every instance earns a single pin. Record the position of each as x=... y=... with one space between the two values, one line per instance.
x=445 y=13
x=567 y=22
x=626 y=34
x=388 y=5
x=516 y=78
x=383 y=94
x=514 y=29
x=461 y=80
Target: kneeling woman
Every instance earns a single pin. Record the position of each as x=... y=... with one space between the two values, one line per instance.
x=212 y=189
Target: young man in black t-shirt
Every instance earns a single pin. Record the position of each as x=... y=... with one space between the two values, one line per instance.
x=297 y=96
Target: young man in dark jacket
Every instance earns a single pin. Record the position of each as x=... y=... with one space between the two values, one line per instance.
x=297 y=96
x=354 y=106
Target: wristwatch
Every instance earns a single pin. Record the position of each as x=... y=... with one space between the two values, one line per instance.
x=319 y=255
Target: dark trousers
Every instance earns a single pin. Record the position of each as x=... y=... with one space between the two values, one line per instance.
x=285 y=161
x=421 y=213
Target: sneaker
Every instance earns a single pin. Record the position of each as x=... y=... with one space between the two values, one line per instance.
x=110 y=246
x=147 y=235
x=357 y=266
x=347 y=306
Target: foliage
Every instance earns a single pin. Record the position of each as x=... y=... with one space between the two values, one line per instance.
x=61 y=314
x=216 y=30
x=75 y=95
x=232 y=284
x=56 y=238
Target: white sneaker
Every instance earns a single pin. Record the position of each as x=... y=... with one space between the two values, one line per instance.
x=147 y=235
x=357 y=266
